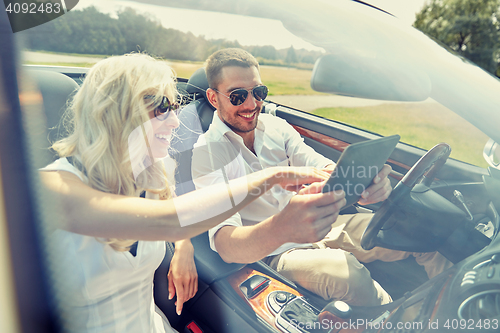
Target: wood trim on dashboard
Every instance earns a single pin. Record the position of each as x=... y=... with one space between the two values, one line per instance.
x=339 y=145
x=321 y=138
x=439 y=299
x=258 y=303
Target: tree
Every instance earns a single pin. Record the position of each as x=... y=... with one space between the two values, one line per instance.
x=469 y=27
x=291 y=56
x=266 y=52
x=89 y=31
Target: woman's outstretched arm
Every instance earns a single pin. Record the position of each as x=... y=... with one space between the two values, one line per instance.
x=87 y=211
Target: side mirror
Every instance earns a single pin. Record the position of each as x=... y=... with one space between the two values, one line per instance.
x=491 y=153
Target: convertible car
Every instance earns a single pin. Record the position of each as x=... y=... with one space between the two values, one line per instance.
x=438 y=203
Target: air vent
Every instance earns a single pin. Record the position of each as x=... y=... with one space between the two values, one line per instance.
x=480 y=306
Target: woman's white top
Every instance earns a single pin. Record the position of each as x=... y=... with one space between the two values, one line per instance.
x=106 y=290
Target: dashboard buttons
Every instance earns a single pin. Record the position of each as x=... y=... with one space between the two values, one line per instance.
x=491 y=272
x=281 y=298
x=481 y=264
x=341 y=309
x=297 y=311
x=277 y=299
x=469 y=278
x=254 y=285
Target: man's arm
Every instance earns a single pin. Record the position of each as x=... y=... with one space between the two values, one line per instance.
x=306 y=219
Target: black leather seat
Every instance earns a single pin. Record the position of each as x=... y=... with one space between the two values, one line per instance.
x=198 y=85
x=195 y=119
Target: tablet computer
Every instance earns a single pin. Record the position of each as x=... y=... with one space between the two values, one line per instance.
x=358 y=165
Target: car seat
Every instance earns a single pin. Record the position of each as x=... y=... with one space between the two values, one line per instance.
x=56 y=88
x=195 y=119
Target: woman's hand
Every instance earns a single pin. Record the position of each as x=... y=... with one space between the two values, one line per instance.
x=182 y=275
x=292 y=178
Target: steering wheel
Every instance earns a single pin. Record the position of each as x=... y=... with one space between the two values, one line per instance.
x=422 y=172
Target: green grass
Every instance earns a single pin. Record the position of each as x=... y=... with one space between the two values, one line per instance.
x=420 y=124
x=287 y=81
x=280 y=80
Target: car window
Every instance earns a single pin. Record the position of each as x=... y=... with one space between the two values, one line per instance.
x=286 y=70
x=420 y=124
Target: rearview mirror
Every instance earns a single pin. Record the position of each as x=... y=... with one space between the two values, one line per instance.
x=491 y=153
x=366 y=77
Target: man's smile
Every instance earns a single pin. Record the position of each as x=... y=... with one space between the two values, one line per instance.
x=248 y=116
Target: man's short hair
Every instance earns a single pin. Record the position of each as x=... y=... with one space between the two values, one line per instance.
x=224 y=58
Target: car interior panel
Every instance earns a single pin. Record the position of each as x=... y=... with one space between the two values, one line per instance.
x=56 y=89
x=220 y=270
x=220 y=285
x=437 y=203
x=31 y=303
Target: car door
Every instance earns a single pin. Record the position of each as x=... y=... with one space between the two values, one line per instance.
x=26 y=299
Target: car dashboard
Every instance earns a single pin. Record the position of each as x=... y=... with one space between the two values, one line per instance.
x=463 y=298
x=466 y=297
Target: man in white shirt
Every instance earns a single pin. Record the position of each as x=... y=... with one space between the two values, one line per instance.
x=301 y=236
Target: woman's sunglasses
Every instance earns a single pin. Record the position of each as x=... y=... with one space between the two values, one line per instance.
x=239 y=96
x=162 y=111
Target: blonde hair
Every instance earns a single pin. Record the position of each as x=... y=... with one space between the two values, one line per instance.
x=109 y=105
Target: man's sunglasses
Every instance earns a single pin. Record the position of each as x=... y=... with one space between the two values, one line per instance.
x=162 y=110
x=239 y=96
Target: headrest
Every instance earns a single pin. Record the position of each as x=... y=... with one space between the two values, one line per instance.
x=198 y=83
x=56 y=88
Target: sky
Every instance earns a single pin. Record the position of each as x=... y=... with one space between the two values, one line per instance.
x=213 y=25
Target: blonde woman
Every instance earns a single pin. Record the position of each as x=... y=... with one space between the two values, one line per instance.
x=112 y=241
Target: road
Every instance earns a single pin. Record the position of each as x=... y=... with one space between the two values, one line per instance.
x=56 y=58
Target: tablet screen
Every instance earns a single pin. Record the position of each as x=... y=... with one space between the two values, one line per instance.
x=358 y=165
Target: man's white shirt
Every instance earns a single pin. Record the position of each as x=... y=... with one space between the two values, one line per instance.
x=220 y=155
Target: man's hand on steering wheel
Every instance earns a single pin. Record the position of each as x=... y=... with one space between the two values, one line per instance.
x=379 y=190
